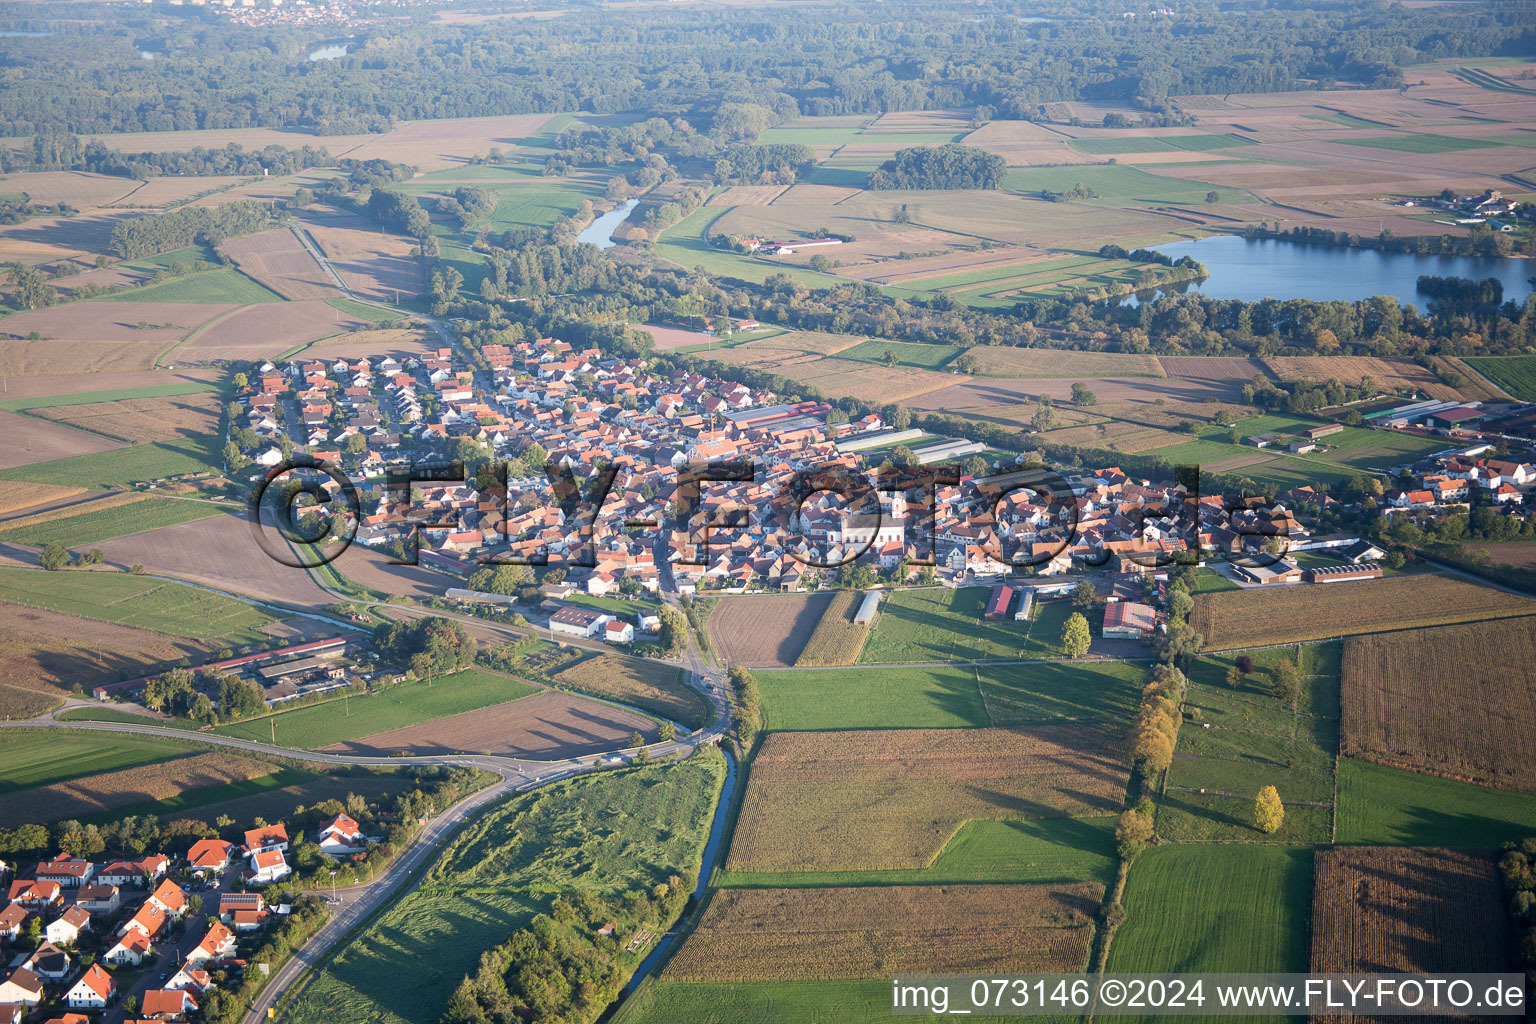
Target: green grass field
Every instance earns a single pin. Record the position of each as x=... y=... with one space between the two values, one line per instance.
x=1255 y=740
x=1158 y=144
x=1418 y=143
x=685 y=244
x=939 y=625
x=44 y=756
x=1119 y=185
x=910 y=698
x=139 y=462
x=1515 y=374
x=1062 y=691
x=1388 y=806
x=393 y=707
x=94 y=713
x=225 y=285
x=1215 y=908
x=190 y=387
x=139 y=601
x=163 y=261
x=1047 y=850
x=107 y=523
x=604 y=833
x=365 y=311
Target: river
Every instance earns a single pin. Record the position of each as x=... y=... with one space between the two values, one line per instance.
x=1269 y=268
x=600 y=231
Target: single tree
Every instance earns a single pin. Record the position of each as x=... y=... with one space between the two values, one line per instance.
x=666 y=732
x=636 y=739
x=1287 y=681
x=1084 y=595
x=1132 y=833
x=1268 y=811
x=1234 y=677
x=1082 y=395
x=1076 y=636
x=54 y=557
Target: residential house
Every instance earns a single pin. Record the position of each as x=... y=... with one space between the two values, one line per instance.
x=14 y=920
x=619 y=631
x=190 y=977
x=219 y=942
x=269 y=837
x=169 y=897
x=22 y=988
x=69 y=872
x=99 y=899
x=230 y=902
x=167 y=1004
x=36 y=894
x=93 y=991
x=131 y=948
x=149 y=920
x=341 y=835
x=268 y=866
x=67 y=928
x=210 y=855
x=577 y=622
x=48 y=962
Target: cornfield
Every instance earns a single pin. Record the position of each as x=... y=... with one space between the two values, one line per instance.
x=838 y=640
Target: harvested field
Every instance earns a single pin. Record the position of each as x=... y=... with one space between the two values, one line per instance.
x=652 y=687
x=881 y=931
x=1252 y=618
x=880 y=800
x=747 y=195
x=218 y=138
x=1397 y=709
x=374 y=264
x=80 y=189
x=395 y=341
x=16 y=495
x=807 y=342
x=279 y=260
x=173 y=190
x=847 y=377
x=66 y=383
x=449 y=142
x=1419 y=911
x=374 y=570
x=1474 y=386
x=996 y=361
x=221 y=551
x=1389 y=374
x=923 y=269
x=1023 y=144
x=767 y=631
x=547 y=726
x=1239 y=369
x=30 y=440
x=267 y=331
x=108 y=321
x=45 y=239
x=838 y=640
x=51 y=652
x=136 y=420
x=18 y=705
x=96 y=794
x=26 y=358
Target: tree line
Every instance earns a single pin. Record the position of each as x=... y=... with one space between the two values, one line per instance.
x=137 y=237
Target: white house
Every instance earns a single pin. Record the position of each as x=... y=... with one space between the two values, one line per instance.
x=93 y=991
x=68 y=927
x=618 y=631
x=22 y=988
x=268 y=866
x=130 y=949
x=341 y=835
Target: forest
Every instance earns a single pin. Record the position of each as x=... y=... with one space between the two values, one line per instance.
x=137 y=237
x=901 y=55
x=934 y=167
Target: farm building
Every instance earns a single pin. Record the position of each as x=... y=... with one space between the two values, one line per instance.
x=331 y=648
x=998 y=602
x=1128 y=620
x=1318 y=433
x=1340 y=573
x=576 y=622
x=1026 y=605
x=865 y=616
x=1280 y=572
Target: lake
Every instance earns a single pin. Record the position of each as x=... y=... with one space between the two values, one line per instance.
x=1268 y=268
x=600 y=231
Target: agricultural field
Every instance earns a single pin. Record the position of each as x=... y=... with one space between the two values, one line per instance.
x=765 y=631
x=17 y=496
x=94 y=524
x=1379 y=805
x=45 y=757
x=901 y=353
x=1515 y=374
x=837 y=639
x=546 y=725
x=1389 y=374
x=604 y=833
x=268 y=331
x=1193 y=908
x=1246 y=738
x=1416 y=911
x=136 y=463
x=219 y=551
x=939 y=625
x=138 y=601
x=1252 y=618
x=1399 y=712
x=31 y=440
x=224 y=286
x=1043 y=850
x=279 y=261
x=174 y=389
x=392 y=707
x=864 y=1001
x=652 y=687
x=881 y=800
x=1118 y=185
x=52 y=653
x=838 y=377
x=112 y=791
x=998 y=361
x=784 y=934
x=18 y=705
